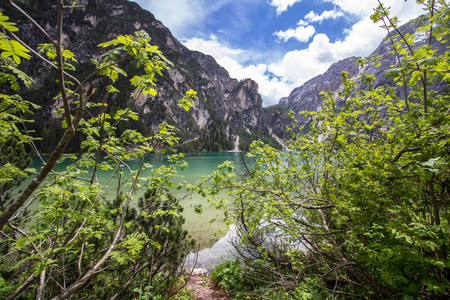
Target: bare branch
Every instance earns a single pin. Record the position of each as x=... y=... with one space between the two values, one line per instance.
x=59 y=56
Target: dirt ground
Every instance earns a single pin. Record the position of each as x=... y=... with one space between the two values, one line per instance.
x=200 y=285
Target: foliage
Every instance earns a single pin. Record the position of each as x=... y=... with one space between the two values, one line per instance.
x=215 y=138
x=181 y=292
x=73 y=234
x=360 y=205
x=246 y=139
x=230 y=276
x=241 y=281
x=13 y=161
x=239 y=85
x=9 y=47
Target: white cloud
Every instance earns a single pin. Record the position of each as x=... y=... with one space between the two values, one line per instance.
x=282 y=5
x=301 y=33
x=176 y=14
x=329 y=14
x=181 y=16
x=212 y=47
x=302 y=23
x=403 y=9
x=358 y=7
x=300 y=65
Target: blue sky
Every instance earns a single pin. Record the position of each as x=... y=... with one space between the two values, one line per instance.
x=278 y=43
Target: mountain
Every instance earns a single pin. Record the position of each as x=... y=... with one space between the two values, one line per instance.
x=227 y=115
x=307 y=96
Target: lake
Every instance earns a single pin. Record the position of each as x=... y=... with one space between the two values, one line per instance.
x=209 y=234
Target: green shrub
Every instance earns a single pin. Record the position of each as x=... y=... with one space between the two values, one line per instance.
x=231 y=276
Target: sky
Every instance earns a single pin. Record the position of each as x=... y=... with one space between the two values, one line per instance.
x=280 y=44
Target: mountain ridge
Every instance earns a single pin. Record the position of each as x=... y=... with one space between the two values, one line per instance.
x=228 y=111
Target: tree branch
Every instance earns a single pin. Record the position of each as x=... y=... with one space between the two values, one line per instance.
x=404 y=150
x=40 y=289
x=60 y=62
x=32 y=22
x=21 y=288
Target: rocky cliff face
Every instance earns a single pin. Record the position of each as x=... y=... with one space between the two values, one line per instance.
x=306 y=97
x=225 y=106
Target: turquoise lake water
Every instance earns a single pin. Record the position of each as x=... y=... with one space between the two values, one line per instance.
x=201 y=227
